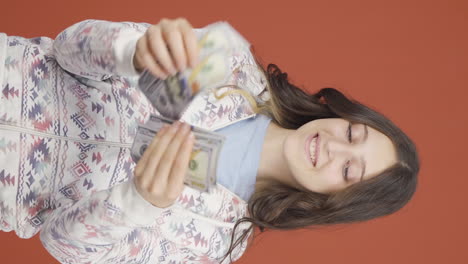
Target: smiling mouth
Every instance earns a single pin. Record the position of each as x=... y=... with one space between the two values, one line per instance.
x=312 y=147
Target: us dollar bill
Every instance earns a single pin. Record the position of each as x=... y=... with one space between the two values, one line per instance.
x=218 y=44
x=201 y=136
x=170 y=97
x=202 y=166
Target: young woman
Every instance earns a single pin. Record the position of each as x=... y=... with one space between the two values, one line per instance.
x=69 y=111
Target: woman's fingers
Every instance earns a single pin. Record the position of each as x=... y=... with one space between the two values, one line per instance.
x=150 y=173
x=158 y=49
x=142 y=163
x=176 y=47
x=142 y=166
x=145 y=56
x=166 y=48
x=160 y=173
x=180 y=165
x=170 y=156
x=190 y=41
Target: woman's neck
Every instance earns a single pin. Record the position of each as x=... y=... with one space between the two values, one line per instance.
x=273 y=164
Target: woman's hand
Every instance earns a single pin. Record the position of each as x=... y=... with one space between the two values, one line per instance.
x=160 y=172
x=166 y=48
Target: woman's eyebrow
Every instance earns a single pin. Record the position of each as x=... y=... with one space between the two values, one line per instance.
x=363 y=161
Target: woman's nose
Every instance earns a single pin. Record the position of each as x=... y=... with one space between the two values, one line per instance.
x=339 y=147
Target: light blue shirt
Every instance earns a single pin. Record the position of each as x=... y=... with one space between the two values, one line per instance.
x=240 y=155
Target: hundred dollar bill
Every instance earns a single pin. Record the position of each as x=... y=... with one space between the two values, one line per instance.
x=169 y=97
x=218 y=42
x=203 y=161
x=200 y=164
x=201 y=136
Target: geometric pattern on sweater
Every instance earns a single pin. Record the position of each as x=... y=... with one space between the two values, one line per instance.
x=68 y=119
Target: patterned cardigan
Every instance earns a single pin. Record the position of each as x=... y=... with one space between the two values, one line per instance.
x=69 y=109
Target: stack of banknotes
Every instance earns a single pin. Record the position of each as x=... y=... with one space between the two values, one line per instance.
x=172 y=96
x=201 y=174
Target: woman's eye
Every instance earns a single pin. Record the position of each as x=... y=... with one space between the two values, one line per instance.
x=346 y=168
x=350 y=139
x=350 y=136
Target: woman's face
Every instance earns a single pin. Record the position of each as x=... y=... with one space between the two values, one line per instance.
x=325 y=172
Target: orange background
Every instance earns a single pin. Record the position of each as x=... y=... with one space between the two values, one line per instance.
x=407 y=59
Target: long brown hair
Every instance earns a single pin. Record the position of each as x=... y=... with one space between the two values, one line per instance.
x=281 y=207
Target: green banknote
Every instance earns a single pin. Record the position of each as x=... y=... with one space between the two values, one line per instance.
x=218 y=43
x=202 y=166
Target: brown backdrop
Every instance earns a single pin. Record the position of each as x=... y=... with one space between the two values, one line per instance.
x=408 y=59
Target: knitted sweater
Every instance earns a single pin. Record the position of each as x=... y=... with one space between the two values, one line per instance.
x=69 y=110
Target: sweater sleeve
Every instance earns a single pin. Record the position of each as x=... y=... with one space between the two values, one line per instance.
x=118 y=226
x=98 y=49
x=87 y=230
